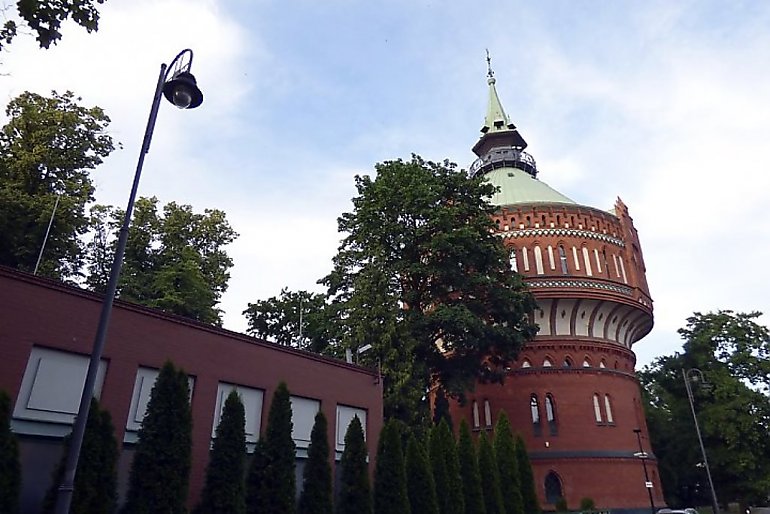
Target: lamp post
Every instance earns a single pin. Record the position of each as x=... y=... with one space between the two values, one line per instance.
x=182 y=91
x=644 y=456
x=695 y=375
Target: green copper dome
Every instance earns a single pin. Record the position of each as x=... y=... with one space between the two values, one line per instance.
x=518 y=187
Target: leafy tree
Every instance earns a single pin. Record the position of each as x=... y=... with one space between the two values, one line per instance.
x=47 y=149
x=224 y=492
x=174 y=260
x=731 y=350
x=490 y=477
x=508 y=466
x=299 y=319
x=44 y=18
x=10 y=468
x=256 y=482
x=527 y=476
x=446 y=470
x=390 y=494
x=316 y=497
x=161 y=468
x=419 y=480
x=355 y=493
x=96 y=479
x=280 y=482
x=469 y=472
x=421 y=277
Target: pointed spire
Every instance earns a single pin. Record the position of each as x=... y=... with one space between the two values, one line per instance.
x=496 y=119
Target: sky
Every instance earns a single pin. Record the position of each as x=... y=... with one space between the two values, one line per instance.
x=663 y=103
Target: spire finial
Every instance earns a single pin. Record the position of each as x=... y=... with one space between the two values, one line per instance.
x=490 y=73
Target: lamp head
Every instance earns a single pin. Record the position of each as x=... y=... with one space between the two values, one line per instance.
x=182 y=91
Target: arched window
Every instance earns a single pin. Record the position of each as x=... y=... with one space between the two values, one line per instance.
x=550 y=414
x=608 y=408
x=525 y=258
x=534 y=409
x=512 y=260
x=553 y=491
x=563 y=259
x=567 y=363
x=539 y=260
x=547 y=363
x=526 y=364
x=575 y=258
x=598 y=263
x=476 y=422
x=487 y=414
x=587 y=261
x=551 y=261
x=602 y=364
x=586 y=362
x=597 y=409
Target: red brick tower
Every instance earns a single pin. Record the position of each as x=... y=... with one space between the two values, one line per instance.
x=573 y=393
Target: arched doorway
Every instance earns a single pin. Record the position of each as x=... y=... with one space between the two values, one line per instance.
x=553 y=490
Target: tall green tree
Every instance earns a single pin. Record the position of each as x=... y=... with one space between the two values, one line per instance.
x=421 y=277
x=419 y=480
x=256 y=481
x=44 y=19
x=355 y=496
x=175 y=259
x=10 y=467
x=508 y=466
x=48 y=148
x=390 y=494
x=96 y=479
x=293 y=318
x=730 y=351
x=280 y=482
x=160 y=471
x=490 y=477
x=316 y=497
x=224 y=491
x=446 y=470
x=527 y=476
x=469 y=472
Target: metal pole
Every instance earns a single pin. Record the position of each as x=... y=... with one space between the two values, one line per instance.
x=643 y=456
x=685 y=374
x=67 y=486
x=47 y=231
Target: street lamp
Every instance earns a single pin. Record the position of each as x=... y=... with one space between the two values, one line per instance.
x=696 y=375
x=182 y=91
x=644 y=456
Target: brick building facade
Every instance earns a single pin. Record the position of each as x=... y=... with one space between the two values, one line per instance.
x=46 y=335
x=573 y=393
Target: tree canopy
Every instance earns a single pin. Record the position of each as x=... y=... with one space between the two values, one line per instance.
x=174 y=259
x=47 y=149
x=729 y=351
x=44 y=19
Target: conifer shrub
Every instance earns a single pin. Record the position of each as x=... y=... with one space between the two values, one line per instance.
x=527 y=476
x=390 y=494
x=419 y=480
x=316 y=497
x=490 y=476
x=508 y=466
x=469 y=472
x=224 y=490
x=280 y=481
x=10 y=468
x=160 y=471
x=355 y=493
x=561 y=505
x=444 y=456
x=256 y=483
x=438 y=468
x=96 y=480
x=587 y=504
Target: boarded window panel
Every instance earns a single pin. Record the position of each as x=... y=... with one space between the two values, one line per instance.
x=303 y=411
x=252 y=400
x=53 y=384
x=345 y=415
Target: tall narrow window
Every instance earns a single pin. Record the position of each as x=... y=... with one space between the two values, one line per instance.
x=597 y=409
x=550 y=414
x=476 y=422
x=487 y=414
x=608 y=408
x=598 y=262
x=512 y=260
x=617 y=268
x=539 y=260
x=575 y=258
x=525 y=258
x=535 y=411
x=563 y=259
x=587 y=260
x=623 y=270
